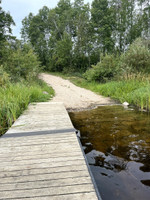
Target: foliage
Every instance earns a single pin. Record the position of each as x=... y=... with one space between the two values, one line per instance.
x=105 y=70
x=5 y=24
x=134 y=62
x=137 y=58
x=21 y=62
x=19 y=66
x=108 y=26
x=15 y=98
x=62 y=57
x=36 y=31
x=103 y=25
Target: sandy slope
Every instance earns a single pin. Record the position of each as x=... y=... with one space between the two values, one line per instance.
x=73 y=97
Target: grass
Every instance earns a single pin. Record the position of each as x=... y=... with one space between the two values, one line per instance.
x=15 y=97
x=135 y=91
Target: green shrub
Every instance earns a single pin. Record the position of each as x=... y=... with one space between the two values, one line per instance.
x=22 y=63
x=105 y=70
x=137 y=58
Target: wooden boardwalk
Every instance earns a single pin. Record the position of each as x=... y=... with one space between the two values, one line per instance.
x=41 y=158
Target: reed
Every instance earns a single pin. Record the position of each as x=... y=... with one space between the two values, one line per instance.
x=15 y=97
x=135 y=91
x=135 y=76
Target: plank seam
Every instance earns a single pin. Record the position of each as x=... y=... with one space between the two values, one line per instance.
x=63 y=186
x=13 y=160
x=46 y=180
x=40 y=168
x=43 y=154
x=42 y=163
x=35 y=133
x=43 y=173
x=84 y=192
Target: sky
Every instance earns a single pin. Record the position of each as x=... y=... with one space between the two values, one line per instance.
x=19 y=9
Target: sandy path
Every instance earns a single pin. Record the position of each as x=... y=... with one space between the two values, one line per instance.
x=73 y=97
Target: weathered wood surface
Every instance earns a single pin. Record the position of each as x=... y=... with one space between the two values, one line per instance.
x=41 y=159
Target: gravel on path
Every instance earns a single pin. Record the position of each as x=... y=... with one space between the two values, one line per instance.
x=74 y=97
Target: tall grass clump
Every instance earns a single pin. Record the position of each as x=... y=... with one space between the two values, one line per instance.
x=141 y=97
x=14 y=99
x=4 y=76
x=133 y=91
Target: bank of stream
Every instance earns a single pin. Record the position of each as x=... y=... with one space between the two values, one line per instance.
x=116 y=141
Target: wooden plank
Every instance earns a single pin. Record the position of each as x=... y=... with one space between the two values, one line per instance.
x=76 y=196
x=27 y=172
x=21 y=157
x=39 y=160
x=47 y=191
x=42 y=117
x=37 y=151
x=48 y=176
x=34 y=140
x=37 y=143
x=40 y=147
x=42 y=165
x=45 y=184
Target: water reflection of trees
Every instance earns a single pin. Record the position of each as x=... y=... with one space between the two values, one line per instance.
x=112 y=137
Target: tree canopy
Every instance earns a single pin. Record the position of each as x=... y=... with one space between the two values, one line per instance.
x=73 y=35
x=5 y=24
x=17 y=60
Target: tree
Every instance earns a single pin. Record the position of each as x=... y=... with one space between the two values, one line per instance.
x=110 y=26
x=5 y=24
x=5 y=29
x=25 y=27
x=82 y=38
x=103 y=25
x=119 y=8
x=132 y=21
x=36 y=31
x=144 y=16
x=62 y=55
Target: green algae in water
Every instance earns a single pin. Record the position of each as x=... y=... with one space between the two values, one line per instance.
x=117 y=145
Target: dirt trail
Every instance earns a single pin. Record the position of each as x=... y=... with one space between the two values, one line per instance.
x=73 y=97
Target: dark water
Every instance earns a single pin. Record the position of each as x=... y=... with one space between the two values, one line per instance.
x=117 y=145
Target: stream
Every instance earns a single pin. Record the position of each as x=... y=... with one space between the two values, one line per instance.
x=116 y=141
